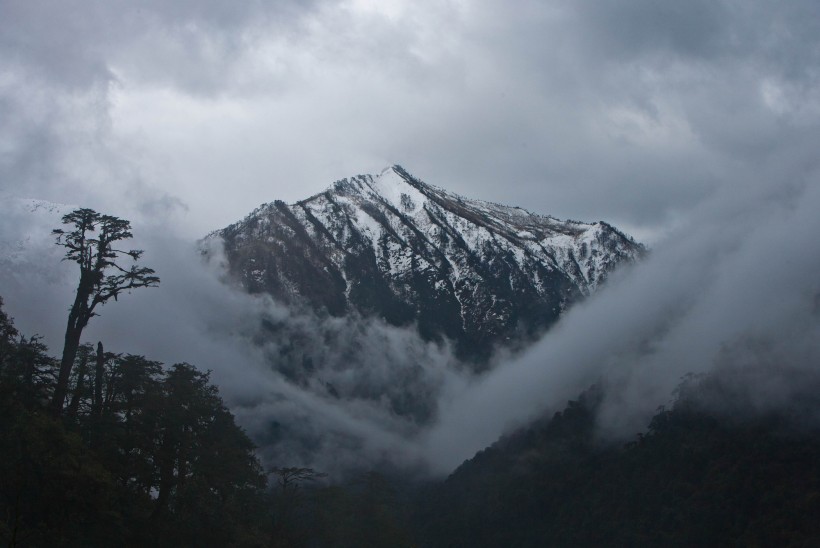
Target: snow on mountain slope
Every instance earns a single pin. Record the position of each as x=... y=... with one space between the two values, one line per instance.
x=33 y=220
x=392 y=246
x=26 y=241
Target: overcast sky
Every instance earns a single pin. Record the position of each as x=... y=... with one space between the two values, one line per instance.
x=197 y=111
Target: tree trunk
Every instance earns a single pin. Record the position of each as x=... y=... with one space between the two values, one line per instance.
x=98 y=381
x=74 y=405
x=30 y=356
x=28 y=372
x=166 y=476
x=77 y=319
x=110 y=392
x=72 y=343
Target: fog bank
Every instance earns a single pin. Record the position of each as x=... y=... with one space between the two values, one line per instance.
x=736 y=284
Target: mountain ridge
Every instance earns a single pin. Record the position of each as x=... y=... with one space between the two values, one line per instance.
x=475 y=272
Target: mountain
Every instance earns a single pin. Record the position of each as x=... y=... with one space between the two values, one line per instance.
x=26 y=243
x=394 y=247
x=33 y=222
x=713 y=469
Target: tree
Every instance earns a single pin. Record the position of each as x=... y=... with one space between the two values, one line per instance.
x=102 y=278
x=208 y=481
x=151 y=456
x=289 y=527
x=26 y=370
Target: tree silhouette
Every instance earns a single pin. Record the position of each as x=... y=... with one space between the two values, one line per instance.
x=101 y=278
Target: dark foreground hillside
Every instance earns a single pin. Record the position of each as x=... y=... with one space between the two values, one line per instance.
x=147 y=455
x=694 y=479
x=140 y=455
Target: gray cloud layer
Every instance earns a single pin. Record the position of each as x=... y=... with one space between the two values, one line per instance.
x=385 y=380
x=736 y=287
x=632 y=112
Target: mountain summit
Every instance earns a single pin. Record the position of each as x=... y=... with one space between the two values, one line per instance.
x=389 y=245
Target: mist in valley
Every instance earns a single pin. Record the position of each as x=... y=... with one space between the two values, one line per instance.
x=734 y=287
x=692 y=127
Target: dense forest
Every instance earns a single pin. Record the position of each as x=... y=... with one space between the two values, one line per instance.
x=697 y=477
x=148 y=455
x=141 y=454
x=99 y=448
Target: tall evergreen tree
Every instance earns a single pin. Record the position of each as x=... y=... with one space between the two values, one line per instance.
x=102 y=277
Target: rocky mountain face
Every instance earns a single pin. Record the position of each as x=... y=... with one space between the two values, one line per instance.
x=391 y=246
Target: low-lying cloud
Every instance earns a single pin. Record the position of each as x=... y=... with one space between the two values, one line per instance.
x=337 y=394
x=741 y=277
x=736 y=287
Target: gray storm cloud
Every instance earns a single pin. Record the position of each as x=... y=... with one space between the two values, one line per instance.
x=744 y=270
x=650 y=107
x=338 y=394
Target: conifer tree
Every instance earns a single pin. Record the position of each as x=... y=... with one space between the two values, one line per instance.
x=90 y=243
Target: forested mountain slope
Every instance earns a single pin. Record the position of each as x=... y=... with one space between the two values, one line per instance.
x=700 y=476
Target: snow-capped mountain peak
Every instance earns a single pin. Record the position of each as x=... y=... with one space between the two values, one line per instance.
x=397 y=191
x=32 y=221
x=391 y=245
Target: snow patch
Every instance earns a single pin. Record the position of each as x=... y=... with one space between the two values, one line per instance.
x=395 y=190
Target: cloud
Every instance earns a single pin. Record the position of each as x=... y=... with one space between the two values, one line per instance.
x=192 y=45
x=648 y=108
x=741 y=275
x=336 y=394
